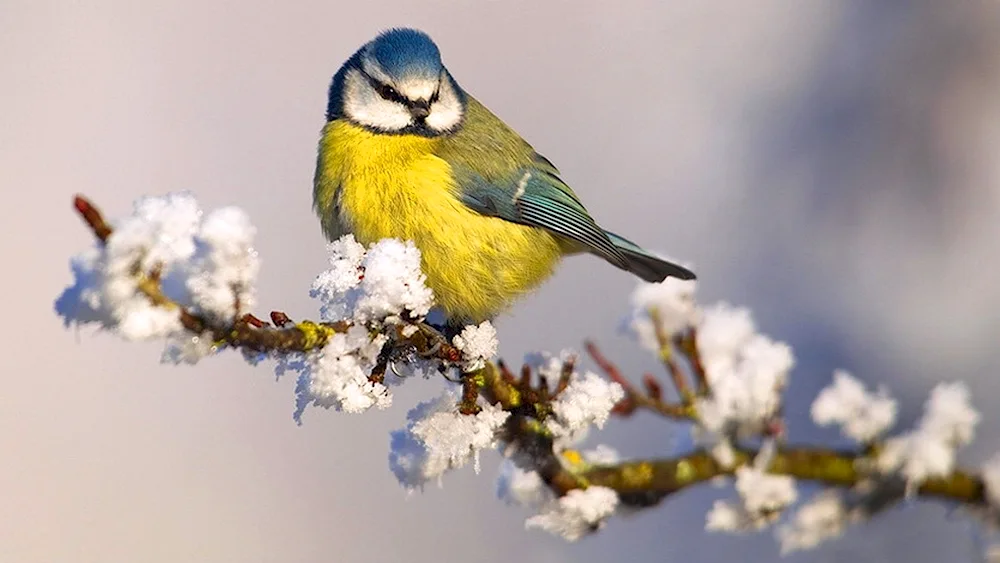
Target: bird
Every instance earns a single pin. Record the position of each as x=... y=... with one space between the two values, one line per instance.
x=406 y=153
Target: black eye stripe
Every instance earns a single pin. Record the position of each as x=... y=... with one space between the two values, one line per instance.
x=389 y=93
x=384 y=90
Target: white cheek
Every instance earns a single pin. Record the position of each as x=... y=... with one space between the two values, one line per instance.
x=446 y=113
x=364 y=106
x=378 y=113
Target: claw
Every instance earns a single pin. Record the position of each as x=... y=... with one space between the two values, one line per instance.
x=430 y=353
x=445 y=375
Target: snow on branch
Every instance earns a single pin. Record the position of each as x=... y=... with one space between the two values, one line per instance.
x=172 y=273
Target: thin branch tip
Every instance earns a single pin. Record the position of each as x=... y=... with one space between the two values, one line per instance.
x=90 y=214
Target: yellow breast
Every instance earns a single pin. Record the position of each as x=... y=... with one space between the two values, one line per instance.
x=393 y=186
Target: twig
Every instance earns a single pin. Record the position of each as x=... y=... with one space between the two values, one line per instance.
x=666 y=356
x=470 y=393
x=688 y=343
x=634 y=399
x=92 y=217
x=248 y=332
x=280 y=319
x=564 y=376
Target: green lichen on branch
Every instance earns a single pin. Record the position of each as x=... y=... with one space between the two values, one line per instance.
x=658 y=478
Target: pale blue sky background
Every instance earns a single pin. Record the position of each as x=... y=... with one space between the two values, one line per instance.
x=830 y=164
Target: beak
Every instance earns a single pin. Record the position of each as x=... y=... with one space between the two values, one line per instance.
x=420 y=110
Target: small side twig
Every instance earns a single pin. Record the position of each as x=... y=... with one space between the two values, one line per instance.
x=470 y=393
x=565 y=375
x=635 y=399
x=667 y=357
x=92 y=217
x=688 y=344
x=280 y=319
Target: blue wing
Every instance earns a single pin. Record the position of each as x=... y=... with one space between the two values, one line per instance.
x=538 y=198
x=501 y=175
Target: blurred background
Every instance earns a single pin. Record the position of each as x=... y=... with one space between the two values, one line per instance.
x=832 y=165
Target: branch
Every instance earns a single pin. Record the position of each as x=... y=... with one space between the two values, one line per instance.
x=643 y=483
x=250 y=333
x=659 y=478
x=541 y=419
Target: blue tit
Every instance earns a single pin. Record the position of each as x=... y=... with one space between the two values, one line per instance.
x=406 y=153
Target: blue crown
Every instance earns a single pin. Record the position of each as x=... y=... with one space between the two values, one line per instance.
x=406 y=53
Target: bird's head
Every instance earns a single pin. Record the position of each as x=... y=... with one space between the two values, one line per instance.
x=396 y=83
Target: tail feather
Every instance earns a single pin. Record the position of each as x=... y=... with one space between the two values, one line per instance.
x=645 y=265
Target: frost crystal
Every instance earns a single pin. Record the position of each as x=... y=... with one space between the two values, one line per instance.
x=991 y=480
x=862 y=416
x=393 y=282
x=763 y=496
x=722 y=331
x=822 y=518
x=187 y=349
x=520 y=484
x=521 y=487
x=381 y=284
x=587 y=400
x=478 y=343
x=918 y=456
x=548 y=365
x=159 y=231
x=601 y=455
x=928 y=451
x=343 y=275
x=576 y=514
x=747 y=373
x=727 y=516
x=224 y=270
x=207 y=265
x=948 y=414
x=337 y=376
x=674 y=303
x=158 y=235
x=438 y=438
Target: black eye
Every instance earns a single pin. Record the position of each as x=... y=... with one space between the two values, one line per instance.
x=387 y=92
